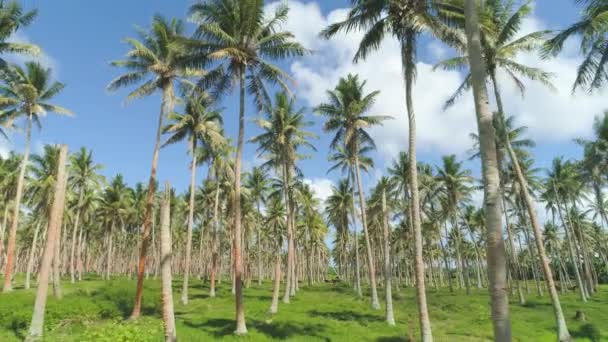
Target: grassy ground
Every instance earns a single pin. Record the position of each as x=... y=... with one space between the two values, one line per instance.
x=95 y=310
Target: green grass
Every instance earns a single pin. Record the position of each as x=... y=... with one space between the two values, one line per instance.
x=95 y=310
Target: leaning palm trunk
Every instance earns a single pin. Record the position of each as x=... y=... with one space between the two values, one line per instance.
x=390 y=319
x=74 y=235
x=370 y=255
x=407 y=61
x=562 y=329
x=184 y=298
x=215 y=239
x=289 y=278
x=165 y=262
x=55 y=221
x=56 y=265
x=274 y=306
x=30 y=261
x=166 y=107
x=241 y=328
x=12 y=234
x=516 y=268
x=497 y=270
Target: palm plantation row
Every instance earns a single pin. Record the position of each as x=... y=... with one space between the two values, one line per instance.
x=420 y=224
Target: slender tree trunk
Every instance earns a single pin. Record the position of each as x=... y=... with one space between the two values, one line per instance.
x=57 y=293
x=30 y=261
x=370 y=255
x=165 y=262
x=241 y=327
x=497 y=270
x=390 y=318
x=190 y=222
x=166 y=107
x=274 y=306
x=408 y=64
x=74 y=235
x=109 y=252
x=12 y=234
x=215 y=242
x=55 y=221
x=259 y=247
x=289 y=277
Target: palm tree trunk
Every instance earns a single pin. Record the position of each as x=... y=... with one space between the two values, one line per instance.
x=562 y=329
x=241 y=328
x=12 y=234
x=214 y=243
x=497 y=270
x=390 y=318
x=55 y=221
x=165 y=262
x=109 y=252
x=190 y=222
x=357 y=272
x=289 y=277
x=166 y=107
x=30 y=261
x=370 y=256
x=259 y=246
x=516 y=268
x=408 y=65
x=274 y=306
x=74 y=235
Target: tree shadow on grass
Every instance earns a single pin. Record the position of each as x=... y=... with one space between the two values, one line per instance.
x=588 y=331
x=346 y=315
x=392 y=339
x=285 y=330
x=218 y=327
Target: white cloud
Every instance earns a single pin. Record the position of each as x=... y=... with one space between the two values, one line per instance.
x=321 y=188
x=550 y=116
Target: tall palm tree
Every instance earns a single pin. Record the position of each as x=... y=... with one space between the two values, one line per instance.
x=275 y=226
x=283 y=135
x=497 y=271
x=83 y=178
x=153 y=63
x=346 y=114
x=499 y=48
x=12 y=18
x=240 y=35
x=258 y=184
x=338 y=206
x=405 y=20
x=382 y=191
x=591 y=28
x=25 y=96
x=198 y=123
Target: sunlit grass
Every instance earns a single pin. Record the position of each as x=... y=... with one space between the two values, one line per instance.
x=95 y=310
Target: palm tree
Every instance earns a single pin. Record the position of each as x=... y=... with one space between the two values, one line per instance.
x=384 y=187
x=55 y=221
x=196 y=124
x=283 y=135
x=406 y=21
x=498 y=50
x=275 y=224
x=346 y=114
x=241 y=35
x=497 y=271
x=456 y=187
x=338 y=206
x=591 y=28
x=154 y=62
x=25 y=95
x=12 y=18
x=82 y=179
x=258 y=184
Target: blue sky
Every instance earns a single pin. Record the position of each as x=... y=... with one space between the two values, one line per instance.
x=80 y=38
